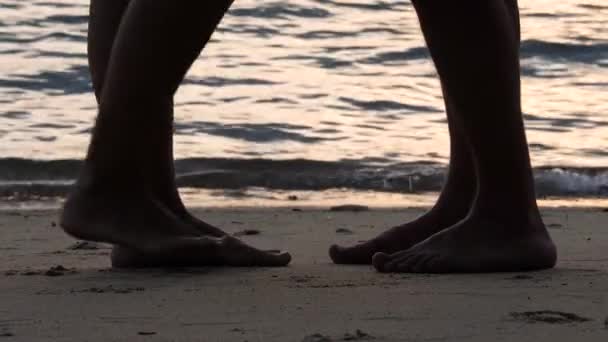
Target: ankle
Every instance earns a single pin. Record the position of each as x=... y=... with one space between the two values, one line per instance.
x=95 y=181
x=518 y=214
x=453 y=205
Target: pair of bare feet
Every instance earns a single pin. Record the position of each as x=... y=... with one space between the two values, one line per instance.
x=441 y=241
x=151 y=231
x=148 y=230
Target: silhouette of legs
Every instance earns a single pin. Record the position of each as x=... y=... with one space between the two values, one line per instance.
x=104 y=22
x=486 y=218
x=453 y=205
x=126 y=194
x=474 y=45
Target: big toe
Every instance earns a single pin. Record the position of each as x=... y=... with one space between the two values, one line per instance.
x=359 y=254
x=336 y=253
x=379 y=260
x=275 y=259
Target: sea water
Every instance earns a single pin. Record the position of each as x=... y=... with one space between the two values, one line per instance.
x=307 y=95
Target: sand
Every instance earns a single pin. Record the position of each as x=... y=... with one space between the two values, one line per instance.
x=52 y=289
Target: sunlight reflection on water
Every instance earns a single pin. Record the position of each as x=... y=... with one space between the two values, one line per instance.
x=321 y=80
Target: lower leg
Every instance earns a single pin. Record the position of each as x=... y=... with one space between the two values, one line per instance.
x=112 y=202
x=478 y=62
x=104 y=22
x=474 y=45
x=453 y=205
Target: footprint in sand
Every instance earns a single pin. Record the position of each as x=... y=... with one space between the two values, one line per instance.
x=110 y=289
x=84 y=245
x=357 y=336
x=350 y=208
x=6 y=334
x=247 y=232
x=549 y=316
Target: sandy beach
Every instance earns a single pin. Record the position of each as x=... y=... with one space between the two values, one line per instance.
x=55 y=289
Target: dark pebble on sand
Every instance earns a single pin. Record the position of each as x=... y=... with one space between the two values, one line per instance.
x=293 y=198
x=521 y=277
x=51 y=273
x=350 y=207
x=53 y=224
x=56 y=271
x=146 y=333
x=344 y=231
x=247 y=232
x=6 y=334
x=296 y=209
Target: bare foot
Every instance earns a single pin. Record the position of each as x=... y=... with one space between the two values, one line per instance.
x=123 y=257
x=143 y=225
x=230 y=252
x=401 y=237
x=476 y=245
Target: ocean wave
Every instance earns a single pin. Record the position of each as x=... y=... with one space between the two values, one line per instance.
x=280 y=10
x=571 y=52
x=532 y=48
x=36 y=178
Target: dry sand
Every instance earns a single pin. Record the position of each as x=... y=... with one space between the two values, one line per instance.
x=311 y=300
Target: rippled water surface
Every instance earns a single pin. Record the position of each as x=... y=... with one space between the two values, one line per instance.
x=311 y=79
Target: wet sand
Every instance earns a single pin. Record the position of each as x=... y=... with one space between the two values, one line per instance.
x=54 y=289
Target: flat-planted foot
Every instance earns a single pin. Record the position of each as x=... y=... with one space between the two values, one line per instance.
x=475 y=245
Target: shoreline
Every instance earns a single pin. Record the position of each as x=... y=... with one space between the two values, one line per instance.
x=256 y=198
x=52 y=288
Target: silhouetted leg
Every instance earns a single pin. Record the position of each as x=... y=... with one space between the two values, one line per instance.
x=112 y=202
x=453 y=205
x=474 y=45
x=104 y=21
